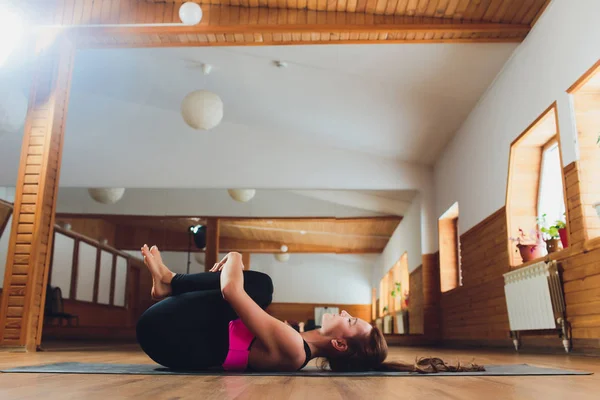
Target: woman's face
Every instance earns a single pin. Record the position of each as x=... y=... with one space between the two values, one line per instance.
x=345 y=326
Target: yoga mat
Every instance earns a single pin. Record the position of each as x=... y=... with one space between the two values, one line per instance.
x=153 y=369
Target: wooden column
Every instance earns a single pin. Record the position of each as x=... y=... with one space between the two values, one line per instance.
x=212 y=243
x=28 y=259
x=246 y=261
x=431 y=295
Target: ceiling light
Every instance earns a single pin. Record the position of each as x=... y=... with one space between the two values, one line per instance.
x=190 y=13
x=106 y=195
x=241 y=195
x=284 y=248
x=201 y=109
x=282 y=257
x=303 y=232
x=11 y=30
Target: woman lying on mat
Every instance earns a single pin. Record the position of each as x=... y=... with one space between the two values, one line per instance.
x=217 y=319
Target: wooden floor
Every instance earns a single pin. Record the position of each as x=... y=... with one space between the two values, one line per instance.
x=90 y=387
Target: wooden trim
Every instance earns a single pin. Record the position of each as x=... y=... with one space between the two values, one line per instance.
x=385 y=24
x=224 y=25
x=74 y=271
x=79 y=237
x=535 y=122
x=587 y=75
x=219 y=217
x=113 y=274
x=97 y=275
x=304 y=43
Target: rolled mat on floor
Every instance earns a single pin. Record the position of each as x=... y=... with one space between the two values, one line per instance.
x=153 y=369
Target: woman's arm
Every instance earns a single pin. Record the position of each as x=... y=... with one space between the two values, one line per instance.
x=274 y=334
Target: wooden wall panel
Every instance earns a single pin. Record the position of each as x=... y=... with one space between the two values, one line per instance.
x=416 y=316
x=302 y=312
x=431 y=295
x=477 y=310
x=35 y=201
x=577 y=223
x=92 y=228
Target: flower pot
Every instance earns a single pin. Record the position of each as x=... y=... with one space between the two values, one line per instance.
x=563 y=237
x=552 y=245
x=531 y=251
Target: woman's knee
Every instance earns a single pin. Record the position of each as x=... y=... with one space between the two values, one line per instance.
x=258 y=281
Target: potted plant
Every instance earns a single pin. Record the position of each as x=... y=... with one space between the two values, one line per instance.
x=551 y=233
x=530 y=247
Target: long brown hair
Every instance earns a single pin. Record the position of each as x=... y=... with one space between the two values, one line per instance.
x=369 y=354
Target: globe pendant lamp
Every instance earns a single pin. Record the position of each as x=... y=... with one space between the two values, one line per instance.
x=241 y=195
x=106 y=195
x=202 y=109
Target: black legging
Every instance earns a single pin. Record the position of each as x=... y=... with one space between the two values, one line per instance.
x=189 y=330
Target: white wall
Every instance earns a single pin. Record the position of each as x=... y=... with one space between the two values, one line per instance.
x=564 y=43
x=406 y=238
x=318 y=278
x=205 y=202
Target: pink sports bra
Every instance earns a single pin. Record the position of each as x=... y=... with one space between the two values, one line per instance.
x=240 y=342
x=240 y=339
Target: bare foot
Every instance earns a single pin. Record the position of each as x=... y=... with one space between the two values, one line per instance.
x=161 y=275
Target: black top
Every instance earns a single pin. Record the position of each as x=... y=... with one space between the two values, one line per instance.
x=308 y=354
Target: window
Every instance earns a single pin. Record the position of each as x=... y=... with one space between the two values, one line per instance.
x=584 y=185
x=549 y=204
x=394 y=288
x=450 y=268
x=535 y=183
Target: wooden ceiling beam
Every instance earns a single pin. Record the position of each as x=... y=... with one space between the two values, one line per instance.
x=131 y=238
x=233 y=25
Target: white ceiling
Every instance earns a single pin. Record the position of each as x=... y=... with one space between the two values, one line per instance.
x=370 y=103
x=395 y=101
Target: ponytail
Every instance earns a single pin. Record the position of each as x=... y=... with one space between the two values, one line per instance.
x=369 y=355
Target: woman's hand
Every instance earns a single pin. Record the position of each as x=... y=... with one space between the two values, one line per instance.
x=219 y=266
x=232 y=277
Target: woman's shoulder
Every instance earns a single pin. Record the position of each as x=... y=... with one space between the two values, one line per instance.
x=288 y=356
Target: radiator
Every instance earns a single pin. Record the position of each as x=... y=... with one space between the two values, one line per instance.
x=535 y=301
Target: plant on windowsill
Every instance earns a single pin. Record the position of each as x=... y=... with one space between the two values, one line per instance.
x=395 y=293
x=530 y=247
x=552 y=234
